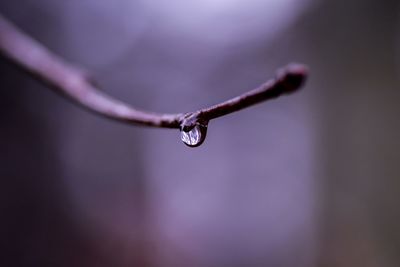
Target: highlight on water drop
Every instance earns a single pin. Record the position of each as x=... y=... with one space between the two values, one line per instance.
x=195 y=136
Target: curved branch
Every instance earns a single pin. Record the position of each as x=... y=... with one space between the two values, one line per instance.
x=72 y=82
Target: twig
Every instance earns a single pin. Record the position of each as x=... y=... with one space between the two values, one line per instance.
x=72 y=82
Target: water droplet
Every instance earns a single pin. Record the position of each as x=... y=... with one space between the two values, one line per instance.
x=195 y=136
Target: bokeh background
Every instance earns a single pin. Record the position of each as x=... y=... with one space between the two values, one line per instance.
x=311 y=179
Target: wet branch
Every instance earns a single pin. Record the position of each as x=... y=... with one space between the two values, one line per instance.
x=72 y=82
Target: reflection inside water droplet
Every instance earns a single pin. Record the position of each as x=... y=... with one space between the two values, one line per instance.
x=192 y=137
x=195 y=136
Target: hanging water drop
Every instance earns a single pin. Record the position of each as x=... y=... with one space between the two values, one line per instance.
x=195 y=136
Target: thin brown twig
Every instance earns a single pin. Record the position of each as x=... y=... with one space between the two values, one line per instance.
x=40 y=63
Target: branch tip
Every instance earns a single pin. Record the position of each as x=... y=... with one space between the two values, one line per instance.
x=293 y=76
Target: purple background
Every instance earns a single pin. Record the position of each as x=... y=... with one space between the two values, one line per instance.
x=311 y=179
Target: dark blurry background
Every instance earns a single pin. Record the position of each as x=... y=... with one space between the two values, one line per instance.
x=312 y=179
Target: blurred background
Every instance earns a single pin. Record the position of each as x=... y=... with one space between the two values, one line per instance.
x=311 y=179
